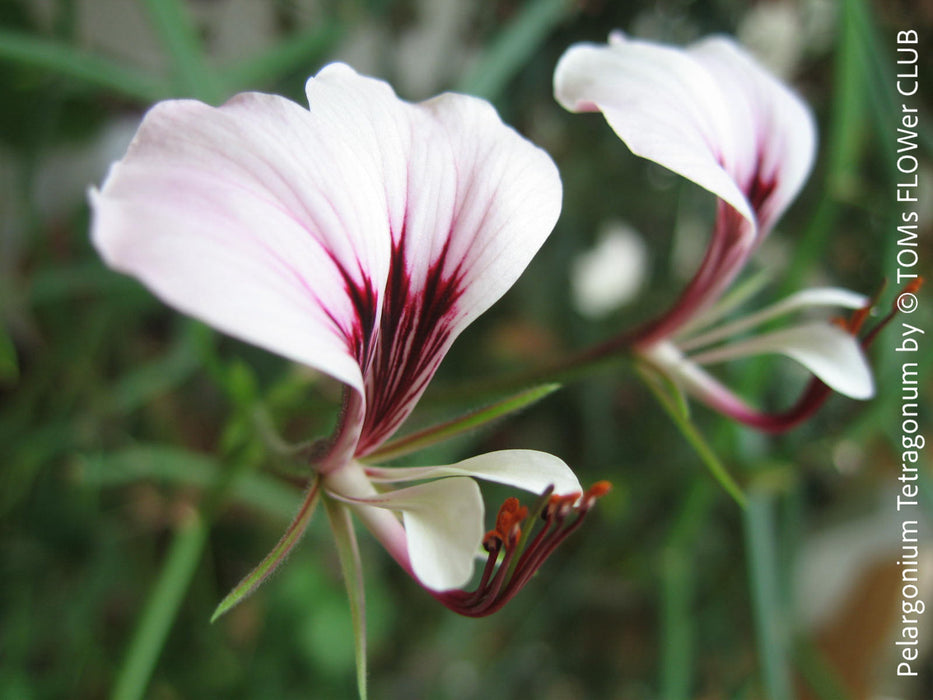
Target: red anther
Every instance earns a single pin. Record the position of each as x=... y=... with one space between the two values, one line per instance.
x=855 y=322
x=560 y=505
x=912 y=287
x=511 y=514
x=513 y=560
x=492 y=541
x=597 y=490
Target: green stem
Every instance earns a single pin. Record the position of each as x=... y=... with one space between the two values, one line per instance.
x=162 y=606
x=695 y=438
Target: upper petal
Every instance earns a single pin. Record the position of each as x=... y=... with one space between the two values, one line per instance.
x=480 y=201
x=358 y=237
x=775 y=136
x=258 y=217
x=709 y=113
x=663 y=104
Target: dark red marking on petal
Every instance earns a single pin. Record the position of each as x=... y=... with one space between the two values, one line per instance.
x=414 y=331
x=512 y=561
x=364 y=299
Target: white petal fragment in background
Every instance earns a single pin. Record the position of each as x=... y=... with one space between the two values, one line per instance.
x=832 y=354
x=609 y=274
x=529 y=470
x=443 y=526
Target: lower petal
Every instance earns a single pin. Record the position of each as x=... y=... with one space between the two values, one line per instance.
x=529 y=470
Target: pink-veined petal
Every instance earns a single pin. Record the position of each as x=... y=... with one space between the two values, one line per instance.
x=480 y=202
x=833 y=355
x=259 y=217
x=713 y=115
x=525 y=469
x=664 y=105
x=775 y=135
x=358 y=236
x=708 y=112
x=443 y=522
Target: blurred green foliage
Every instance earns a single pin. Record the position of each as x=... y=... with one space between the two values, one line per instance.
x=137 y=479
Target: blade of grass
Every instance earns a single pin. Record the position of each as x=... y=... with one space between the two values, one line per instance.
x=844 y=145
x=770 y=615
x=513 y=47
x=184 y=468
x=71 y=62
x=161 y=608
x=193 y=77
x=471 y=421
x=294 y=53
x=677 y=618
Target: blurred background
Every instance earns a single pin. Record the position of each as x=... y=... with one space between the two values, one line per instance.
x=135 y=483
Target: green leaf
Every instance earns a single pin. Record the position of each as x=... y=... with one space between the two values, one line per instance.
x=9 y=365
x=348 y=550
x=675 y=410
x=278 y=554
x=184 y=468
x=452 y=428
x=73 y=63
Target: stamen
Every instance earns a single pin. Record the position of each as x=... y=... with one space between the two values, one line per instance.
x=512 y=559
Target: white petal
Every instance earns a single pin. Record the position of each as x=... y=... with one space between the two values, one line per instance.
x=817 y=297
x=479 y=203
x=709 y=113
x=256 y=217
x=664 y=105
x=775 y=136
x=298 y=229
x=525 y=469
x=443 y=526
x=829 y=352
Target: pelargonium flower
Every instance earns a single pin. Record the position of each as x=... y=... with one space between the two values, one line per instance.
x=358 y=237
x=712 y=114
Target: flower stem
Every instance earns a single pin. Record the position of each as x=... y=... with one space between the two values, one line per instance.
x=695 y=438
